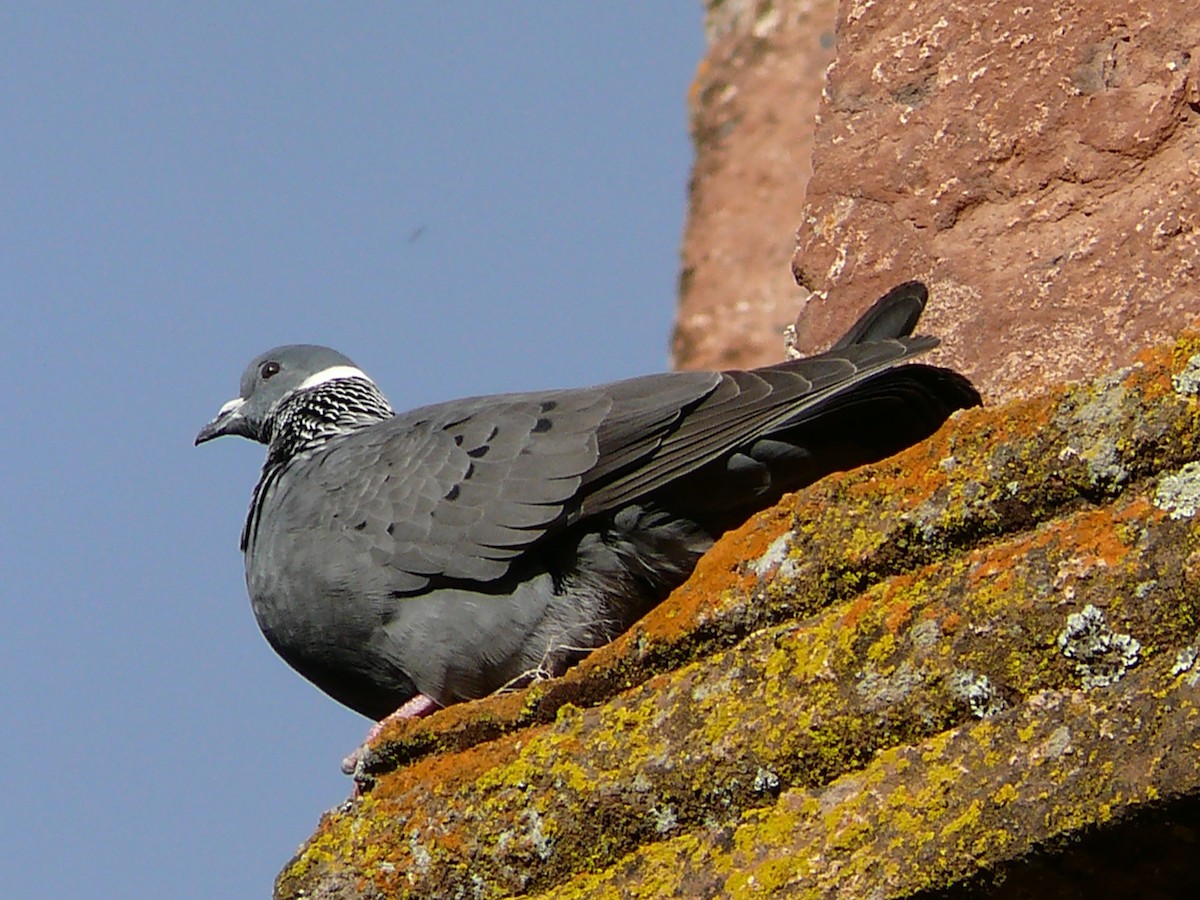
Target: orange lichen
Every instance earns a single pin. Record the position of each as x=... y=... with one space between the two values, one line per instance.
x=855 y=611
x=898 y=615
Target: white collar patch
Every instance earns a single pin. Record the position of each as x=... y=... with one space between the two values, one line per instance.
x=331 y=374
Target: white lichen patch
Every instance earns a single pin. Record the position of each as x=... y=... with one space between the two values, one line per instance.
x=776 y=557
x=1101 y=655
x=1185 y=664
x=1178 y=493
x=977 y=692
x=1184 y=660
x=1187 y=382
x=765 y=781
x=535 y=834
x=1143 y=588
x=664 y=819
x=1093 y=425
x=422 y=859
x=925 y=634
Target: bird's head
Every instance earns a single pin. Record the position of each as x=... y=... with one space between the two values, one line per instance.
x=273 y=378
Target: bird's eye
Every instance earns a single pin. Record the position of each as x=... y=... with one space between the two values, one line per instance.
x=269 y=368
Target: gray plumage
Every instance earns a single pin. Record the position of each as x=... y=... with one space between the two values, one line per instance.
x=462 y=547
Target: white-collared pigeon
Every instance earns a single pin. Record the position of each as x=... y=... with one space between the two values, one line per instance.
x=406 y=562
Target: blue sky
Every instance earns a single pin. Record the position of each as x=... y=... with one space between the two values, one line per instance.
x=463 y=197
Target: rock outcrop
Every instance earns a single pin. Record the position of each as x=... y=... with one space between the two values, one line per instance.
x=752 y=108
x=927 y=674
x=1038 y=166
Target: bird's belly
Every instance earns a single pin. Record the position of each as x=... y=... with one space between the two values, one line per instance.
x=326 y=631
x=301 y=604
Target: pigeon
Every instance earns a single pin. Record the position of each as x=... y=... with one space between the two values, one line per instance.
x=406 y=562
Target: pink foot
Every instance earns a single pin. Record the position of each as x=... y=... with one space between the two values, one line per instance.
x=415 y=707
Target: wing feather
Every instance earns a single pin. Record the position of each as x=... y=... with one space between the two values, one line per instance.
x=457 y=491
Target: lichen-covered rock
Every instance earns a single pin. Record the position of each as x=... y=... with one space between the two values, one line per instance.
x=918 y=675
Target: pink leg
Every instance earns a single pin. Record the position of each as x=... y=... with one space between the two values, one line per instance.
x=415 y=707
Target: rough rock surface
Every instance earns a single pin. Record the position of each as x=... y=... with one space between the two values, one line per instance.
x=1036 y=164
x=752 y=108
x=975 y=661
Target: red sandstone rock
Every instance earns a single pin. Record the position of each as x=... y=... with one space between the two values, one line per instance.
x=1037 y=165
x=752 y=111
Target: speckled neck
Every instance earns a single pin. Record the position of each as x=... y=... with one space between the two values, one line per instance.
x=307 y=420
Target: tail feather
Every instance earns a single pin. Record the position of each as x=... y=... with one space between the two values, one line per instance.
x=879 y=418
x=727 y=453
x=893 y=315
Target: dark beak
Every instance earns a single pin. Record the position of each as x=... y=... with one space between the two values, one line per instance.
x=228 y=421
